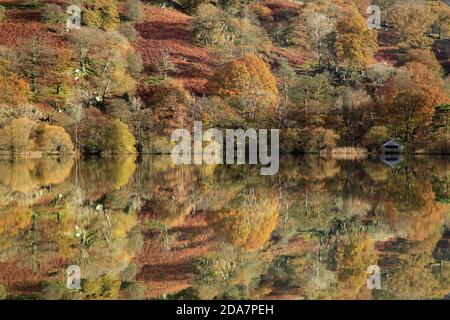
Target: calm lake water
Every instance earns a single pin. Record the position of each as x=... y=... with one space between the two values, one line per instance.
x=140 y=229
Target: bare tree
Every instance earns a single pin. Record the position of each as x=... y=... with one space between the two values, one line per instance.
x=76 y=112
x=165 y=65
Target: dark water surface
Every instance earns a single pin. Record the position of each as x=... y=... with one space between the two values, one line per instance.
x=149 y=229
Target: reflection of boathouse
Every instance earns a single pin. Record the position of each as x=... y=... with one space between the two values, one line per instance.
x=390 y=152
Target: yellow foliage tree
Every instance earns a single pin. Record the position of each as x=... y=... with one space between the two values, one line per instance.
x=102 y=288
x=355 y=43
x=119 y=139
x=16 y=136
x=411 y=20
x=100 y=13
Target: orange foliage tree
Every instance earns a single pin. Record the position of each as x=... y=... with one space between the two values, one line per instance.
x=248 y=83
x=409 y=100
x=13 y=91
x=425 y=57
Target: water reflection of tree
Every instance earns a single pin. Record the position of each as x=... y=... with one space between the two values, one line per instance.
x=229 y=273
x=23 y=175
x=309 y=232
x=362 y=200
x=60 y=222
x=247 y=221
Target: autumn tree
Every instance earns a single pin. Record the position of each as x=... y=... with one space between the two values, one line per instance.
x=361 y=5
x=411 y=20
x=170 y=104
x=441 y=119
x=44 y=67
x=232 y=34
x=92 y=131
x=25 y=135
x=441 y=13
x=409 y=113
x=248 y=84
x=141 y=122
x=3 y=292
x=60 y=74
x=14 y=220
x=99 y=13
x=378 y=74
x=248 y=222
x=251 y=37
x=119 y=109
x=425 y=57
x=318 y=140
x=129 y=31
x=101 y=288
x=228 y=273
x=134 y=64
x=13 y=90
x=427 y=81
x=440 y=130
x=211 y=26
x=16 y=136
x=53 y=140
x=414 y=279
x=262 y=12
x=133 y=10
x=286 y=76
x=118 y=138
x=215 y=112
x=355 y=44
x=165 y=64
x=440 y=144
x=409 y=100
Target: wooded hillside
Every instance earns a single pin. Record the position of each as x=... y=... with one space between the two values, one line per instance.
x=137 y=70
